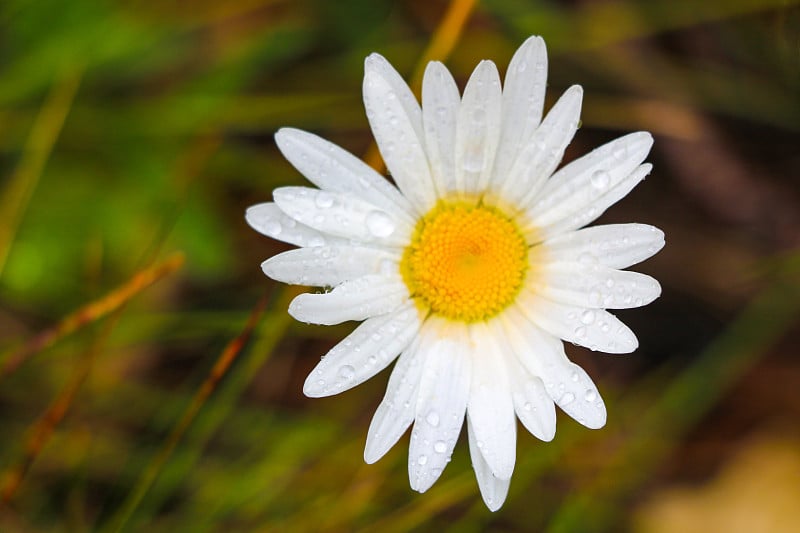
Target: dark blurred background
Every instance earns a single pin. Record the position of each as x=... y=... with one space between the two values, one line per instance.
x=150 y=378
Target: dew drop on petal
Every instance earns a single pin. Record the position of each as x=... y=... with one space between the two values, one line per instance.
x=273 y=227
x=432 y=419
x=587 y=317
x=347 y=372
x=440 y=447
x=600 y=179
x=567 y=398
x=379 y=224
x=590 y=395
x=580 y=332
x=423 y=459
x=324 y=200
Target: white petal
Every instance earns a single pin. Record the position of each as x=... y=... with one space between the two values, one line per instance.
x=478 y=128
x=523 y=101
x=398 y=408
x=493 y=489
x=534 y=407
x=590 y=176
x=342 y=215
x=399 y=140
x=565 y=382
x=490 y=408
x=613 y=245
x=542 y=154
x=269 y=220
x=576 y=214
x=441 y=403
x=378 y=65
x=327 y=266
x=440 y=103
x=594 y=286
x=595 y=329
x=357 y=299
x=331 y=168
x=365 y=352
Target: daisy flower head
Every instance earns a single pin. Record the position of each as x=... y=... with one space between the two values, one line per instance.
x=472 y=268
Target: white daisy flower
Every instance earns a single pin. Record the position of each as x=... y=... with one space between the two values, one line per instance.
x=470 y=271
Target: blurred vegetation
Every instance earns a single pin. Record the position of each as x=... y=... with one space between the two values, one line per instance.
x=151 y=378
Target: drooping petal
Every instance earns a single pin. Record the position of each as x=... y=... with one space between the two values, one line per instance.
x=397 y=410
x=565 y=382
x=269 y=220
x=356 y=299
x=342 y=215
x=613 y=245
x=478 y=129
x=493 y=489
x=594 y=286
x=491 y=408
x=523 y=101
x=595 y=329
x=333 y=169
x=534 y=407
x=543 y=152
x=365 y=352
x=440 y=104
x=327 y=266
x=441 y=403
x=400 y=141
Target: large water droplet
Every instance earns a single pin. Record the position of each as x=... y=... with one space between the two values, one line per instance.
x=423 y=459
x=567 y=398
x=347 y=372
x=432 y=419
x=440 y=447
x=590 y=395
x=587 y=317
x=379 y=224
x=600 y=179
x=323 y=200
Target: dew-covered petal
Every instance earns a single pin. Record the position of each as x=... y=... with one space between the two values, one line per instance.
x=356 y=299
x=440 y=103
x=565 y=382
x=595 y=329
x=400 y=141
x=342 y=215
x=378 y=65
x=576 y=215
x=613 y=245
x=543 y=152
x=269 y=220
x=441 y=403
x=523 y=101
x=594 y=286
x=493 y=489
x=534 y=407
x=333 y=169
x=491 y=408
x=478 y=129
x=327 y=266
x=582 y=181
x=365 y=352
x=397 y=410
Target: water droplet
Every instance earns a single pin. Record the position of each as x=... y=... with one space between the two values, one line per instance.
x=432 y=419
x=574 y=376
x=567 y=398
x=373 y=360
x=316 y=241
x=379 y=224
x=587 y=317
x=580 y=332
x=527 y=406
x=522 y=66
x=423 y=459
x=600 y=179
x=347 y=372
x=440 y=447
x=590 y=395
x=273 y=227
x=323 y=200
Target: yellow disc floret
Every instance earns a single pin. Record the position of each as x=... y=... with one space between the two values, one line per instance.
x=465 y=262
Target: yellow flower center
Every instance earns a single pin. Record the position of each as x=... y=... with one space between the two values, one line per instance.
x=465 y=262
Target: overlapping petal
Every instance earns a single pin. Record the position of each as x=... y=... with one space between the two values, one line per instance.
x=327 y=266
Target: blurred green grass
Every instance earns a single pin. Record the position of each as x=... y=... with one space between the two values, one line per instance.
x=130 y=130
